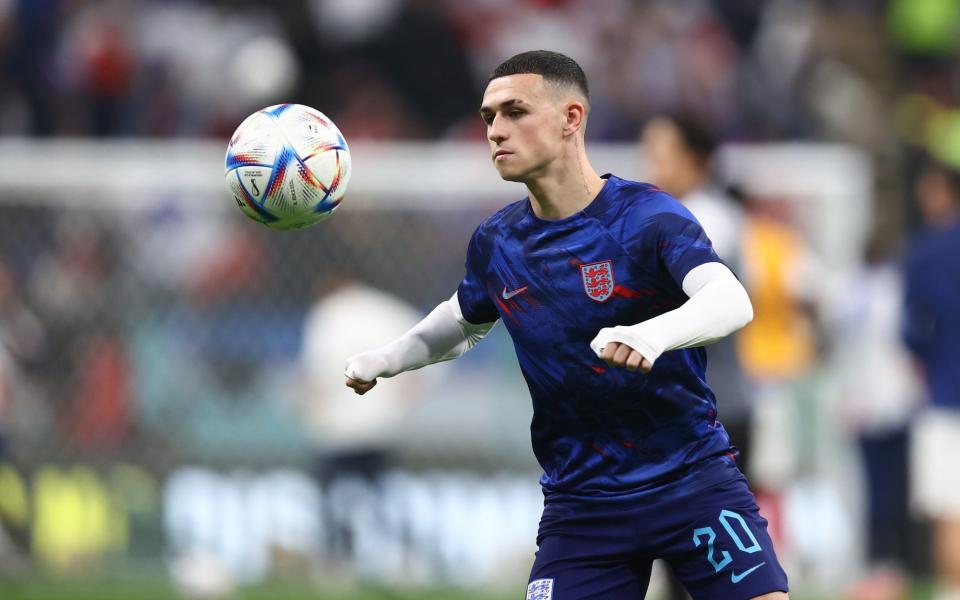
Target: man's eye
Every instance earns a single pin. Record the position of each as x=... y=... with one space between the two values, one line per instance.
x=515 y=113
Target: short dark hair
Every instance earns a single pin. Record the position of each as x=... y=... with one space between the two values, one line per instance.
x=696 y=136
x=553 y=66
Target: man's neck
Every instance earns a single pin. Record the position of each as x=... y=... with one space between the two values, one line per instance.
x=690 y=184
x=555 y=196
x=945 y=220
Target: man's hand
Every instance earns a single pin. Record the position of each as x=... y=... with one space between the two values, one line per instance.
x=616 y=354
x=360 y=387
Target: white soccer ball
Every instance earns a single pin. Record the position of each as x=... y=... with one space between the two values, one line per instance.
x=287 y=166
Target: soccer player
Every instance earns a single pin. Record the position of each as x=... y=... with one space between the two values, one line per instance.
x=932 y=333
x=609 y=289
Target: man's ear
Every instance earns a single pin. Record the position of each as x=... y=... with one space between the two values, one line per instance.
x=575 y=114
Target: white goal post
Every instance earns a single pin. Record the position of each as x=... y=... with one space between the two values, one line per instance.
x=830 y=185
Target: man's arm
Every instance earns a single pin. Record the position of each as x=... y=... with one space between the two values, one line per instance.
x=442 y=335
x=717 y=307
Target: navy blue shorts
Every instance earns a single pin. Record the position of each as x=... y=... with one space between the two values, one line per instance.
x=711 y=534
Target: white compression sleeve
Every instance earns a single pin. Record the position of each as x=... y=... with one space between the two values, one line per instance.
x=717 y=307
x=442 y=335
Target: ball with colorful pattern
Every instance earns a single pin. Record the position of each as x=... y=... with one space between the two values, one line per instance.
x=287 y=166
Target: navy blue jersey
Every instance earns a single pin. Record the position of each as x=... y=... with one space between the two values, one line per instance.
x=932 y=321
x=598 y=431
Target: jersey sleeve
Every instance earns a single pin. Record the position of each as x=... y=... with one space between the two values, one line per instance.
x=475 y=302
x=672 y=235
x=682 y=245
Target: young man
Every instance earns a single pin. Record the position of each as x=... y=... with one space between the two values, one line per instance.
x=932 y=333
x=608 y=288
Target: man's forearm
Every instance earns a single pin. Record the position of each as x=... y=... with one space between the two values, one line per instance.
x=442 y=335
x=718 y=306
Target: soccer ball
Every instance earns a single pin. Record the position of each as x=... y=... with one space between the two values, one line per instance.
x=287 y=166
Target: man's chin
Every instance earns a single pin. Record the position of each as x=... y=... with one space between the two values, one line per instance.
x=510 y=174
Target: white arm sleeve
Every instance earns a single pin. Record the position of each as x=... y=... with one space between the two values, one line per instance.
x=717 y=307
x=442 y=335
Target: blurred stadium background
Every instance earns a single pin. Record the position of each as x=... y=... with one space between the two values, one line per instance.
x=172 y=421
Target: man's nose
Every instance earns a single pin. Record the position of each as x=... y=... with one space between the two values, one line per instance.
x=496 y=132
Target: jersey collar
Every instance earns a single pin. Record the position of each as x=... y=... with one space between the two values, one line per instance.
x=596 y=207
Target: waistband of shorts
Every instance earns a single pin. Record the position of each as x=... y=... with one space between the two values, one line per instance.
x=692 y=479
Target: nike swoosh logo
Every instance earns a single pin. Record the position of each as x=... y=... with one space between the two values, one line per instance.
x=738 y=578
x=507 y=295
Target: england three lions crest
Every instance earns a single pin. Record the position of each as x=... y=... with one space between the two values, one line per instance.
x=598 y=280
x=541 y=589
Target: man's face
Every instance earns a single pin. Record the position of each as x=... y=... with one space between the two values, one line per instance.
x=525 y=120
x=668 y=159
x=934 y=196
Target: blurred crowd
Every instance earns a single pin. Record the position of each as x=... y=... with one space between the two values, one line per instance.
x=869 y=72
x=753 y=69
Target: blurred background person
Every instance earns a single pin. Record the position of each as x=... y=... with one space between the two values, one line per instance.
x=777 y=350
x=878 y=392
x=353 y=437
x=23 y=349
x=932 y=333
